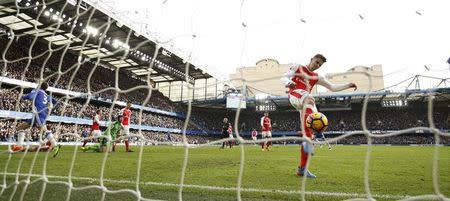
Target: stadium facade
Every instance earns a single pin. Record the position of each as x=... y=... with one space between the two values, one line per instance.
x=264 y=78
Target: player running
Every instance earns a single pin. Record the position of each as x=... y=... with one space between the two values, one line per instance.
x=254 y=135
x=300 y=80
x=42 y=105
x=95 y=128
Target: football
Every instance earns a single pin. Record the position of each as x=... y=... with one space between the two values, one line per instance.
x=317 y=122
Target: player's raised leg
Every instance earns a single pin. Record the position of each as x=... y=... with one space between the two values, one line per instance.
x=309 y=108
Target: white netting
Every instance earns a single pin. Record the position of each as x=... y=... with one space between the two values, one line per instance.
x=78 y=63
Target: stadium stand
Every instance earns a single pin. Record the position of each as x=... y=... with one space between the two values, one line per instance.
x=71 y=74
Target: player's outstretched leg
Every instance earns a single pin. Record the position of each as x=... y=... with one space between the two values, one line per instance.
x=16 y=148
x=51 y=143
x=85 y=142
x=95 y=148
x=56 y=150
x=306 y=148
x=19 y=146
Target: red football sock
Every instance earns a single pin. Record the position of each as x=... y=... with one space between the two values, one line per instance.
x=309 y=134
x=84 y=143
x=127 y=146
x=303 y=158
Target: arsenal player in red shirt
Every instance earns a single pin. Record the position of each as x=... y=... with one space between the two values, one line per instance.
x=300 y=80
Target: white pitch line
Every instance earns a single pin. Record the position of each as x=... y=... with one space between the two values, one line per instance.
x=320 y=193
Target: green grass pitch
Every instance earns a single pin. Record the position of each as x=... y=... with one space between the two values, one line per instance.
x=212 y=173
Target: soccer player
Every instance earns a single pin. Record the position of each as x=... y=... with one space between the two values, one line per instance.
x=126 y=118
x=48 y=144
x=266 y=131
x=230 y=135
x=225 y=133
x=300 y=80
x=95 y=129
x=106 y=138
x=254 y=134
x=42 y=105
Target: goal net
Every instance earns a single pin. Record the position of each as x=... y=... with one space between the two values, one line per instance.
x=109 y=66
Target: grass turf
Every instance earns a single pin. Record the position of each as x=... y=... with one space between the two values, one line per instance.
x=212 y=173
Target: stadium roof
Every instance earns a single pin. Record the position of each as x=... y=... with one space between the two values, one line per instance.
x=94 y=34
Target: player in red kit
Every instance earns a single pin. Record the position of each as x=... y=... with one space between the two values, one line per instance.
x=230 y=135
x=266 y=131
x=300 y=80
x=254 y=135
x=125 y=114
x=95 y=128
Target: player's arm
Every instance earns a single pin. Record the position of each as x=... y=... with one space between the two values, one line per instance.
x=335 y=87
x=270 y=124
x=262 y=123
x=96 y=119
x=52 y=102
x=30 y=95
x=286 y=78
x=121 y=116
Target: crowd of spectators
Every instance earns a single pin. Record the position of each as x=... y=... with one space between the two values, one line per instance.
x=10 y=98
x=67 y=71
x=377 y=119
x=402 y=139
x=73 y=133
x=170 y=138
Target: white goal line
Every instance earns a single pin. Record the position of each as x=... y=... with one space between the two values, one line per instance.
x=150 y=183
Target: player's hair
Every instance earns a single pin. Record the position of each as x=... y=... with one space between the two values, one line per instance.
x=320 y=56
x=44 y=86
x=96 y=112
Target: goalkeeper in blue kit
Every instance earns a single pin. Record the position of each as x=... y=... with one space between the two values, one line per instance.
x=106 y=140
